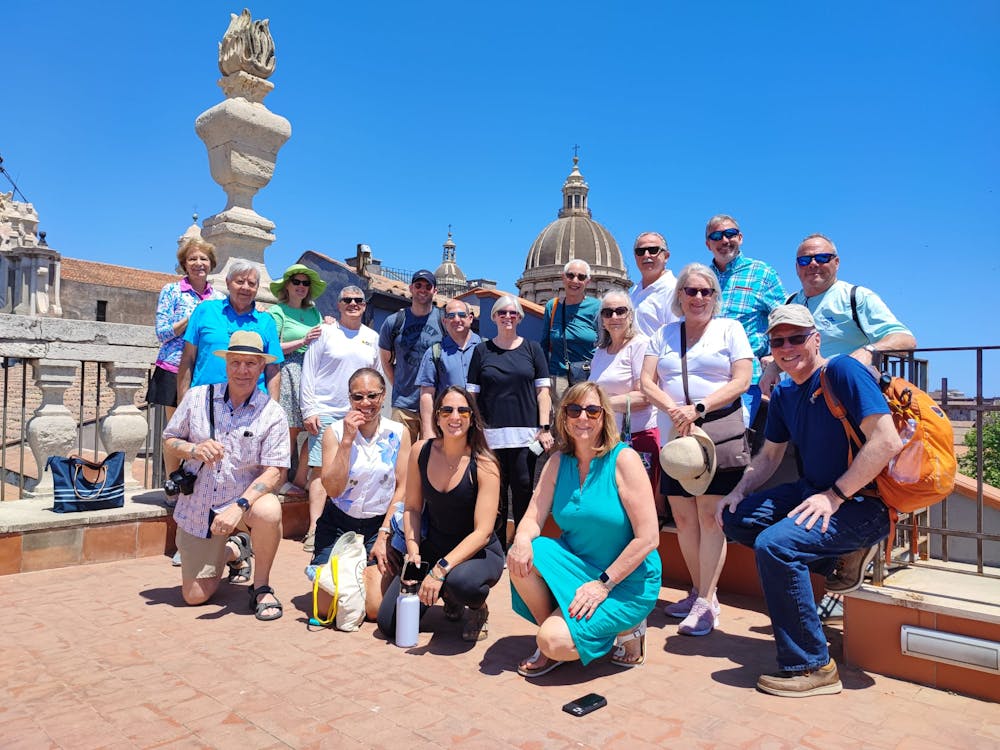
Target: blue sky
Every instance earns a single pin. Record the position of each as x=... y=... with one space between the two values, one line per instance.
x=874 y=123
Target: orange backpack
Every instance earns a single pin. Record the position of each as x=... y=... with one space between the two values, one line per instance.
x=923 y=472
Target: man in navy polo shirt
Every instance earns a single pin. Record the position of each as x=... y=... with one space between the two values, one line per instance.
x=446 y=363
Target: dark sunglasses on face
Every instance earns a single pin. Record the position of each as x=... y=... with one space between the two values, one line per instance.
x=796 y=339
x=577 y=276
x=640 y=251
x=301 y=282
x=821 y=258
x=692 y=291
x=593 y=411
x=506 y=313
x=353 y=300
x=607 y=312
x=463 y=411
x=373 y=396
x=718 y=234
x=452 y=315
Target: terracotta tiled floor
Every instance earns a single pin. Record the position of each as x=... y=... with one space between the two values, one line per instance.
x=106 y=656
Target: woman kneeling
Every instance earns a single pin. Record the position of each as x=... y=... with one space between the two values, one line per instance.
x=601 y=578
x=453 y=487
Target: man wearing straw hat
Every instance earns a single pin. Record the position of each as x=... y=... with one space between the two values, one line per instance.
x=810 y=523
x=233 y=442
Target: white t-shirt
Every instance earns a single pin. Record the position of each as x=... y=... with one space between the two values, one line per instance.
x=371 y=479
x=619 y=373
x=709 y=361
x=330 y=360
x=652 y=304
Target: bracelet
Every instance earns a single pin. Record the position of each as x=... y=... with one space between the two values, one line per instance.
x=436 y=578
x=385 y=530
x=840 y=493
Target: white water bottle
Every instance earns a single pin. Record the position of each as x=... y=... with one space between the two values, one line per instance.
x=407 y=616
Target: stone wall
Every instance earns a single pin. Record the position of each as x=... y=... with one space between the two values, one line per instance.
x=79 y=301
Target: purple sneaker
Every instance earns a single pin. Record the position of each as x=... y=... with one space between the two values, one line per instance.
x=700 y=620
x=681 y=608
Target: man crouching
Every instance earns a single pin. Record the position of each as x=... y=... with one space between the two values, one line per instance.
x=233 y=441
x=807 y=525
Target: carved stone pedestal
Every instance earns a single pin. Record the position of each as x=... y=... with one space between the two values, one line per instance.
x=52 y=431
x=124 y=428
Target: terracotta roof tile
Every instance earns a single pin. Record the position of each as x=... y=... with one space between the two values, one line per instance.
x=90 y=272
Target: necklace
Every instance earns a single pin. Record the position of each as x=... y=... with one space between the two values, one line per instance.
x=447 y=460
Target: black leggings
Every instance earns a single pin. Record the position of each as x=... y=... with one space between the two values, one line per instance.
x=468 y=583
x=517 y=473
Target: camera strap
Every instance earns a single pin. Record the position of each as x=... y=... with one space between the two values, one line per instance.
x=211 y=420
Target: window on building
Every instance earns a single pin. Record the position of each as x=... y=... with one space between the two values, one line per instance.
x=102 y=310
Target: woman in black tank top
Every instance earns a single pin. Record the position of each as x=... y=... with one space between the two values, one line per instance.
x=452 y=486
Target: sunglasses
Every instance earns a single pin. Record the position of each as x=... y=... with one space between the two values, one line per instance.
x=693 y=291
x=301 y=282
x=453 y=315
x=821 y=258
x=506 y=313
x=640 y=251
x=575 y=410
x=577 y=276
x=463 y=411
x=353 y=300
x=373 y=396
x=718 y=234
x=796 y=339
x=608 y=312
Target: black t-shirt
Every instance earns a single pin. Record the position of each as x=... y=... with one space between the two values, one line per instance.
x=507 y=380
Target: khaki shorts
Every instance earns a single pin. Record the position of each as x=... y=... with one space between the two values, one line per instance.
x=410 y=420
x=201 y=558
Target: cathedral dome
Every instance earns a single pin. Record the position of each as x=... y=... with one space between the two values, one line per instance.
x=450 y=279
x=572 y=236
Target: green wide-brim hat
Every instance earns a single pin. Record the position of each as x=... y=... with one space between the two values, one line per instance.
x=316 y=287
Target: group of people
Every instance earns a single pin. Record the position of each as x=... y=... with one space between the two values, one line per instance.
x=639 y=406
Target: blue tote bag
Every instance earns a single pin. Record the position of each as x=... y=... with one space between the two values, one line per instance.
x=83 y=485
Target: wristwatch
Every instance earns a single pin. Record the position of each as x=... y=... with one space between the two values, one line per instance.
x=545 y=428
x=443 y=564
x=243 y=504
x=699 y=408
x=840 y=493
x=606 y=581
x=870 y=348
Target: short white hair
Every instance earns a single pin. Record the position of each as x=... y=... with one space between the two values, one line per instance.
x=507 y=301
x=583 y=263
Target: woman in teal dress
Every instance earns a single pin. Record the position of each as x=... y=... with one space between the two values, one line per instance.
x=591 y=589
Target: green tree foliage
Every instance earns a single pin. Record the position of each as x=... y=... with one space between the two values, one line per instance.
x=991 y=452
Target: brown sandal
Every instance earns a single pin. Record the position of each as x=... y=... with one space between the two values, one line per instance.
x=477 y=627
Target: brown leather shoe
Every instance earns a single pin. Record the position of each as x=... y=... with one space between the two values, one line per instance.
x=802 y=683
x=850 y=571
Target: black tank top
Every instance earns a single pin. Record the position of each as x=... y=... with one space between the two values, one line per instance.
x=450 y=515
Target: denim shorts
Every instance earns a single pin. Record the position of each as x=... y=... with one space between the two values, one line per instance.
x=316 y=441
x=334 y=523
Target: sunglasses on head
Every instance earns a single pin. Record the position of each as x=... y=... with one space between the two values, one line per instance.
x=640 y=251
x=373 y=396
x=458 y=314
x=301 y=282
x=463 y=411
x=796 y=339
x=608 y=312
x=593 y=411
x=718 y=234
x=353 y=300
x=821 y=258
x=577 y=276
x=693 y=291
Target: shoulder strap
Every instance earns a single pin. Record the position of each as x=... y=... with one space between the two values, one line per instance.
x=425 y=454
x=552 y=319
x=211 y=411
x=854 y=309
x=854 y=437
x=790 y=298
x=565 y=348
x=684 y=364
x=436 y=352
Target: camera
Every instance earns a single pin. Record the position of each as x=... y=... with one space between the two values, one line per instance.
x=180 y=482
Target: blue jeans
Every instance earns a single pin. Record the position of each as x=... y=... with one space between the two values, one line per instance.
x=785 y=553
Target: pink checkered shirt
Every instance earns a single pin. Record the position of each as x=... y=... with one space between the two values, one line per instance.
x=255 y=436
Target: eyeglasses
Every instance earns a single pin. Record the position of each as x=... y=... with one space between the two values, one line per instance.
x=353 y=300
x=463 y=411
x=373 y=396
x=796 y=339
x=608 y=312
x=718 y=234
x=593 y=411
x=692 y=291
x=577 y=276
x=452 y=315
x=821 y=258
x=640 y=251
x=506 y=313
x=301 y=282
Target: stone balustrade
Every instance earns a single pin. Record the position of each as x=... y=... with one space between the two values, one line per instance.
x=55 y=349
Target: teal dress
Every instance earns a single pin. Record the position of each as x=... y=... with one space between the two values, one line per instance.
x=595 y=530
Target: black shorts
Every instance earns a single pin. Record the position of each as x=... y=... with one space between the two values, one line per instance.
x=332 y=525
x=724 y=482
x=162 y=388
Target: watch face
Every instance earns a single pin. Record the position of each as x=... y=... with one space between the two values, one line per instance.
x=443 y=563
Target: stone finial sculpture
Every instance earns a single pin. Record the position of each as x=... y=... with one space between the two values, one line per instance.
x=243 y=138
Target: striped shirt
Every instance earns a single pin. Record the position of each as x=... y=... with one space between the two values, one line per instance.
x=254 y=435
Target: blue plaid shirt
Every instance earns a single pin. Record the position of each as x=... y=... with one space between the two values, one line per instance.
x=750 y=290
